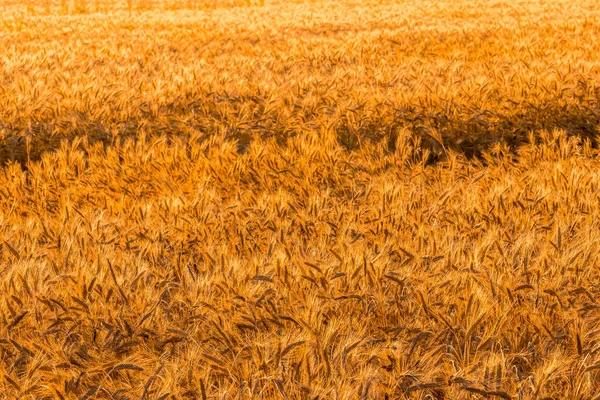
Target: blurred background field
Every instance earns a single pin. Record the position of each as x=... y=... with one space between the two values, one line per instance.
x=461 y=76
x=106 y=6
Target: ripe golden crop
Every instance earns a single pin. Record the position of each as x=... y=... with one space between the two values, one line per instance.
x=356 y=199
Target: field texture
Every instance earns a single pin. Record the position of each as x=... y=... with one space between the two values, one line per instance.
x=300 y=200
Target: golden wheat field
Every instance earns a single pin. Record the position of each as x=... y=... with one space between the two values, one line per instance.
x=209 y=199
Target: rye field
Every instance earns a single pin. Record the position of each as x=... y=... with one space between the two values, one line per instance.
x=227 y=199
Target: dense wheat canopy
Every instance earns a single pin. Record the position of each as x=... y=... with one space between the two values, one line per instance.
x=304 y=200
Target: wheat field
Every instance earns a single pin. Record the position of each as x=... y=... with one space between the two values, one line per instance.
x=207 y=199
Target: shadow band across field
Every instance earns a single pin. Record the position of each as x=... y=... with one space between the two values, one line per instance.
x=437 y=132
